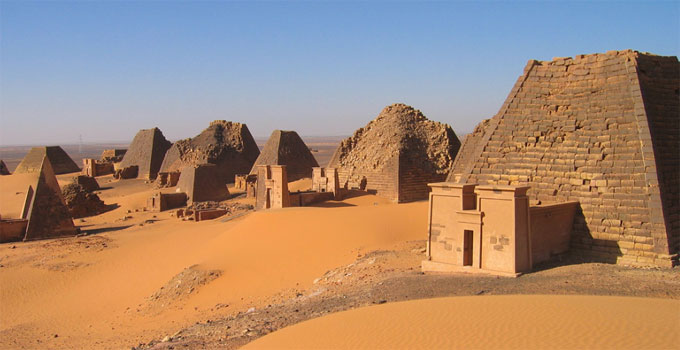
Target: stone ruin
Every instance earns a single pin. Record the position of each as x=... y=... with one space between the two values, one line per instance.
x=600 y=129
x=31 y=205
x=227 y=145
x=203 y=183
x=89 y=183
x=272 y=190
x=287 y=148
x=146 y=152
x=3 y=168
x=165 y=201
x=105 y=165
x=113 y=155
x=247 y=183
x=60 y=161
x=81 y=201
x=396 y=155
x=326 y=180
x=493 y=229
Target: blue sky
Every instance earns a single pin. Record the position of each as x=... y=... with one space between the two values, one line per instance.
x=103 y=70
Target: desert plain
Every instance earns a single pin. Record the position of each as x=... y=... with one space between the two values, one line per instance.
x=147 y=280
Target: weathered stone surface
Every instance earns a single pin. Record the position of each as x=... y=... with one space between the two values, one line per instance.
x=397 y=154
x=60 y=161
x=146 y=152
x=603 y=130
x=228 y=145
x=113 y=155
x=287 y=148
x=81 y=202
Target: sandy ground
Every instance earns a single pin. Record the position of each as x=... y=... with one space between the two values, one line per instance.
x=491 y=322
x=126 y=282
x=150 y=280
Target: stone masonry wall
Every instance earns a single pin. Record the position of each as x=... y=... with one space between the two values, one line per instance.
x=575 y=129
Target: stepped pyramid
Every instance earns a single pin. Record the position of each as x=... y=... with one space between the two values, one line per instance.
x=287 y=148
x=146 y=151
x=228 y=145
x=61 y=162
x=397 y=154
x=601 y=129
x=36 y=198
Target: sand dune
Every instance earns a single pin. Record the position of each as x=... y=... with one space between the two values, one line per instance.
x=491 y=322
x=102 y=298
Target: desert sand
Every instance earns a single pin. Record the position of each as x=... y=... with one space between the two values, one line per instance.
x=491 y=322
x=125 y=283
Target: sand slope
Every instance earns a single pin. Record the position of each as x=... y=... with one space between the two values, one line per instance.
x=96 y=291
x=491 y=322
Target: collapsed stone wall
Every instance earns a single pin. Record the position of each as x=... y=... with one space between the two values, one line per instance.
x=228 y=145
x=593 y=129
x=81 y=202
x=396 y=154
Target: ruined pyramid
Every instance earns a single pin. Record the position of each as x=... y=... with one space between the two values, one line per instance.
x=3 y=168
x=32 y=202
x=601 y=129
x=397 y=154
x=287 y=148
x=146 y=152
x=228 y=145
x=61 y=162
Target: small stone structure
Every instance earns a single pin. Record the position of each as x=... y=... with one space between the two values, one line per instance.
x=326 y=180
x=32 y=206
x=130 y=172
x=165 y=201
x=94 y=167
x=169 y=179
x=3 y=168
x=602 y=129
x=287 y=148
x=489 y=229
x=396 y=155
x=247 y=183
x=89 y=183
x=146 y=151
x=272 y=190
x=227 y=145
x=113 y=155
x=59 y=159
x=272 y=187
x=203 y=183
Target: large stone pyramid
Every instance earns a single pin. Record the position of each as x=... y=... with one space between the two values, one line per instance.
x=35 y=198
x=146 y=152
x=287 y=148
x=601 y=129
x=228 y=145
x=61 y=162
x=397 y=154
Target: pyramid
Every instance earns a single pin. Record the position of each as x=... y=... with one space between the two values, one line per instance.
x=397 y=154
x=36 y=198
x=3 y=168
x=61 y=162
x=601 y=129
x=287 y=148
x=228 y=145
x=146 y=152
